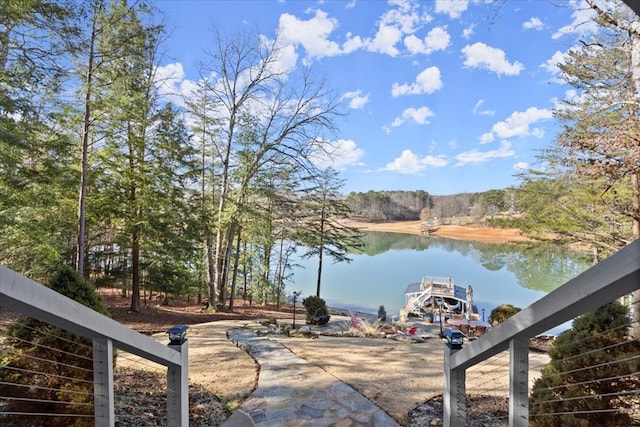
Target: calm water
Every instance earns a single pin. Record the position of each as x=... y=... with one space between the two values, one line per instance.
x=379 y=274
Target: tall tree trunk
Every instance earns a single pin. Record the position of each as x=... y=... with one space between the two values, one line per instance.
x=236 y=263
x=321 y=246
x=279 y=271
x=209 y=250
x=226 y=261
x=135 y=272
x=84 y=148
x=210 y=267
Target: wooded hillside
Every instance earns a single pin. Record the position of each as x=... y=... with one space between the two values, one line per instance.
x=377 y=206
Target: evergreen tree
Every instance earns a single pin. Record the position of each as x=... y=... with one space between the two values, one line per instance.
x=129 y=105
x=322 y=233
x=36 y=38
x=56 y=365
x=593 y=367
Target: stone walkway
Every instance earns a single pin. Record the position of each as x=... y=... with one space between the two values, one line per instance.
x=293 y=392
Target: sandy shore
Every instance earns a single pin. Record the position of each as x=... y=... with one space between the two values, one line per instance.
x=475 y=234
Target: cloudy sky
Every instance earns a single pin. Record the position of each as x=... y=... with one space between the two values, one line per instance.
x=445 y=96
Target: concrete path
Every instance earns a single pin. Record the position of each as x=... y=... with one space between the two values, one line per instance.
x=293 y=392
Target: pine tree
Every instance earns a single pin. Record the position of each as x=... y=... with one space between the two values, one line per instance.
x=593 y=367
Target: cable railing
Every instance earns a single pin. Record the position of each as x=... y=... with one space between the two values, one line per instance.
x=583 y=375
x=58 y=365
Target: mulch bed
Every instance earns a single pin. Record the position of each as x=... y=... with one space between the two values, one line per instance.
x=481 y=411
x=141 y=402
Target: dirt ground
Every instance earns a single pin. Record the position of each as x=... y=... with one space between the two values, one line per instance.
x=397 y=375
x=475 y=234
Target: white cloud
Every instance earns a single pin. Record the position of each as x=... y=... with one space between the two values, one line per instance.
x=486 y=138
x=583 y=20
x=475 y=156
x=551 y=66
x=171 y=83
x=357 y=101
x=478 y=111
x=533 y=24
x=428 y=81
x=469 y=31
x=352 y=44
x=453 y=8
x=403 y=18
x=419 y=115
x=519 y=123
x=521 y=166
x=337 y=154
x=385 y=40
x=312 y=34
x=437 y=39
x=479 y=55
x=410 y=164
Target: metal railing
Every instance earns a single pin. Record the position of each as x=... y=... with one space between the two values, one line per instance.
x=612 y=278
x=25 y=296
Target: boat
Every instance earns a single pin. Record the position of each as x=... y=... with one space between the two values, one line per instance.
x=439 y=297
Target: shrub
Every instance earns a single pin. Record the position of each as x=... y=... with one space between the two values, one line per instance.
x=502 y=313
x=317 y=313
x=46 y=357
x=592 y=365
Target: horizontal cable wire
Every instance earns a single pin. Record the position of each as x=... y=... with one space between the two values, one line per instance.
x=57 y=337
x=596 y=380
x=584 y=412
x=46 y=414
x=62 y=377
x=47 y=361
x=591 y=396
x=56 y=350
x=480 y=372
x=61 y=402
x=599 y=365
x=37 y=387
x=75 y=390
x=590 y=338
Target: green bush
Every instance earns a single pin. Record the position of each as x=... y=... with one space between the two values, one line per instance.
x=591 y=367
x=317 y=313
x=38 y=347
x=502 y=313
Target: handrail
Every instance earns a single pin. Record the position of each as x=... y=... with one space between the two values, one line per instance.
x=23 y=295
x=30 y=298
x=615 y=276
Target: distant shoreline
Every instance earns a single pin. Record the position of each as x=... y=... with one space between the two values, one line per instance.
x=460 y=232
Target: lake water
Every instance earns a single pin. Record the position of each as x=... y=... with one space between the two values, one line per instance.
x=380 y=272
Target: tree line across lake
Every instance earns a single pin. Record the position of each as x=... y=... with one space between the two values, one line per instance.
x=379 y=206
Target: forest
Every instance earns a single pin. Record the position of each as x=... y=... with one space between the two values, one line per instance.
x=211 y=197
x=380 y=206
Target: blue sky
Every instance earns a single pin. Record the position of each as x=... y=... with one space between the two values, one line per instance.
x=445 y=96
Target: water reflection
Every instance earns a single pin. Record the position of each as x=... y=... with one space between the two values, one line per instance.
x=537 y=266
x=515 y=274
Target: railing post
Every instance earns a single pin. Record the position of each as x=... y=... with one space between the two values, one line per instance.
x=454 y=400
x=178 y=388
x=103 y=400
x=519 y=382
